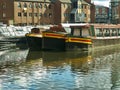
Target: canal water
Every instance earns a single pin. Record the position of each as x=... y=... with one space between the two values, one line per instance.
x=22 y=69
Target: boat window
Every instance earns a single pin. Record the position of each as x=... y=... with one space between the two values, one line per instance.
x=85 y=32
x=68 y=30
x=107 y=32
x=76 y=32
x=81 y=32
x=119 y=31
x=99 y=32
x=114 y=32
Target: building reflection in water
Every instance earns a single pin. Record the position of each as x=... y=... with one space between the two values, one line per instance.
x=98 y=70
x=90 y=70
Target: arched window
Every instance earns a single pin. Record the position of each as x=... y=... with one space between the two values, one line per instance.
x=36 y=5
x=25 y=5
x=30 y=5
x=40 y=5
x=50 y=6
x=19 y=4
x=45 y=6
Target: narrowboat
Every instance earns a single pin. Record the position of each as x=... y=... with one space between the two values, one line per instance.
x=77 y=36
x=67 y=37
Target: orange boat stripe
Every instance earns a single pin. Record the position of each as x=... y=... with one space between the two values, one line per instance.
x=80 y=40
x=54 y=35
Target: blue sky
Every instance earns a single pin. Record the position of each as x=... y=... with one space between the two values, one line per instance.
x=102 y=2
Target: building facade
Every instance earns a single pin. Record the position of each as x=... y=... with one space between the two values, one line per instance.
x=115 y=11
x=31 y=12
x=42 y=12
x=101 y=14
x=80 y=11
x=6 y=11
x=62 y=9
x=27 y=12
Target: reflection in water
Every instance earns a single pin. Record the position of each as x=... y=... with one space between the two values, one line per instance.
x=11 y=57
x=98 y=70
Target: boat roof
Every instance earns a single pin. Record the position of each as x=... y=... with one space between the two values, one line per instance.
x=65 y=25
x=74 y=24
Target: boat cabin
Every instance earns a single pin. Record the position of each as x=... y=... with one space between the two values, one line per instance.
x=77 y=30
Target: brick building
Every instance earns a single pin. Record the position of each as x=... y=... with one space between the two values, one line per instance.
x=6 y=11
x=101 y=14
x=115 y=11
x=26 y=12
x=62 y=9
x=80 y=11
x=40 y=12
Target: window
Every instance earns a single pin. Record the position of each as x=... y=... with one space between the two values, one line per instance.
x=64 y=5
x=49 y=6
x=40 y=5
x=30 y=14
x=40 y=14
x=45 y=15
x=64 y=14
x=82 y=6
x=97 y=11
x=103 y=10
x=69 y=5
x=30 y=5
x=45 y=6
x=4 y=5
x=19 y=14
x=4 y=15
x=19 y=4
x=36 y=14
x=30 y=23
x=50 y=15
x=79 y=6
x=25 y=14
x=35 y=5
x=118 y=31
x=25 y=5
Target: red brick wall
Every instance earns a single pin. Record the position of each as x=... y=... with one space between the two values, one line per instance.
x=7 y=10
x=57 y=12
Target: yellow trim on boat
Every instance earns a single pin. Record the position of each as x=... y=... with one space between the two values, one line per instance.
x=79 y=40
x=33 y=35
